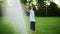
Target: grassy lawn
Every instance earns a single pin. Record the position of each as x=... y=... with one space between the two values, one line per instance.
x=5 y=28
x=44 y=25
x=48 y=25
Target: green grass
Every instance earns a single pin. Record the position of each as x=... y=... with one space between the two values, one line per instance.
x=5 y=28
x=44 y=25
x=48 y=25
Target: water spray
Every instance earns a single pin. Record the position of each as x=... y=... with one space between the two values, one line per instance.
x=14 y=14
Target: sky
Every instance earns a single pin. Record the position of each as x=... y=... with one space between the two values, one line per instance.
x=57 y=2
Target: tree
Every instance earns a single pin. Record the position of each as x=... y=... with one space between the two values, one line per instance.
x=53 y=9
x=24 y=1
x=40 y=11
x=1 y=3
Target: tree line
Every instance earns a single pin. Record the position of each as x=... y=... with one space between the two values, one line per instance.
x=51 y=10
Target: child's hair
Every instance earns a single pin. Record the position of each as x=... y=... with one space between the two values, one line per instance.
x=34 y=8
x=29 y=7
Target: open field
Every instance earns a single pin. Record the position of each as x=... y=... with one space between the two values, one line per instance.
x=48 y=25
x=44 y=25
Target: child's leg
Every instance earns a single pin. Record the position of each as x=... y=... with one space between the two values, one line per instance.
x=34 y=32
x=33 y=27
x=31 y=31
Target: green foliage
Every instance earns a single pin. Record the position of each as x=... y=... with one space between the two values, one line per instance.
x=24 y=1
x=53 y=9
x=0 y=12
x=1 y=6
x=40 y=0
x=40 y=3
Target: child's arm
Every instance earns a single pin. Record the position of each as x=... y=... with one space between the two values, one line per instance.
x=27 y=10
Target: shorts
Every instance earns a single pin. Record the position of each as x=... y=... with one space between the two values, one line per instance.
x=32 y=25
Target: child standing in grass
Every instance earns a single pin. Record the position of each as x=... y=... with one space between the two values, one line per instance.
x=32 y=18
x=31 y=10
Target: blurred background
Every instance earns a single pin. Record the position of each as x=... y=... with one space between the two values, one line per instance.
x=47 y=16
x=45 y=7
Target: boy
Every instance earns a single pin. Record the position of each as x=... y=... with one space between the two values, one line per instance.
x=31 y=10
x=32 y=18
